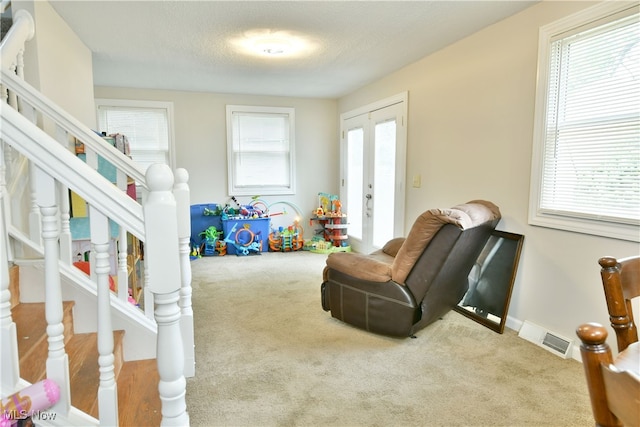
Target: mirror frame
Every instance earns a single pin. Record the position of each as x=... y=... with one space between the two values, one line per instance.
x=495 y=326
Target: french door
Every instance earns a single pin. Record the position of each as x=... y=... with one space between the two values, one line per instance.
x=373 y=160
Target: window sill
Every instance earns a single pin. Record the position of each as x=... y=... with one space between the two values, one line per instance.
x=586 y=226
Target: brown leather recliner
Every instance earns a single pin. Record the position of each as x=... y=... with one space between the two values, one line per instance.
x=411 y=281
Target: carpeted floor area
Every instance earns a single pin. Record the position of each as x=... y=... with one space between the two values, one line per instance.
x=268 y=355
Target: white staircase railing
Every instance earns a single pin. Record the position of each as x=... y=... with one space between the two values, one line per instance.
x=161 y=222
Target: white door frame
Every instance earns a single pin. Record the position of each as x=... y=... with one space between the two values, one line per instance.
x=400 y=190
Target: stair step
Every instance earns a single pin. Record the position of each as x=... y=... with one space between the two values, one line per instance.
x=84 y=373
x=31 y=327
x=14 y=285
x=138 y=396
x=138 y=388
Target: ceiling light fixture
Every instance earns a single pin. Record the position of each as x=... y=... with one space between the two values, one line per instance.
x=273 y=44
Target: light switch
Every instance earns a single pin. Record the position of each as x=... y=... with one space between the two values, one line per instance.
x=417 y=181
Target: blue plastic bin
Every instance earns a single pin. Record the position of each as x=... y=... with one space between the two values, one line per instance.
x=259 y=228
x=200 y=221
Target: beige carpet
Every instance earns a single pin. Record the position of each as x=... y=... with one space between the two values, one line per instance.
x=268 y=355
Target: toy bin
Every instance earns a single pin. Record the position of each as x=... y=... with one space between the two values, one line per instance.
x=258 y=230
x=200 y=221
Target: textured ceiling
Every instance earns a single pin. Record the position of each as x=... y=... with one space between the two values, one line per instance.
x=189 y=45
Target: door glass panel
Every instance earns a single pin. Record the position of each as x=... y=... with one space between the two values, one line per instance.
x=384 y=182
x=355 y=169
x=372 y=189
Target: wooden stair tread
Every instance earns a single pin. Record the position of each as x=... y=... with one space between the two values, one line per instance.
x=138 y=397
x=138 y=388
x=31 y=323
x=31 y=328
x=14 y=285
x=84 y=374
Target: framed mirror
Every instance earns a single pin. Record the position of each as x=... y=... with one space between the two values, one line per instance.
x=491 y=281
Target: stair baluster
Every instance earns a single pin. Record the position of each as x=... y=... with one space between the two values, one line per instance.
x=107 y=391
x=181 y=193
x=9 y=366
x=35 y=231
x=57 y=360
x=149 y=302
x=65 y=231
x=5 y=159
x=123 y=268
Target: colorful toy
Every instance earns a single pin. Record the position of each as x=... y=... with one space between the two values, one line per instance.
x=211 y=212
x=260 y=208
x=333 y=222
x=255 y=209
x=221 y=247
x=337 y=207
x=246 y=241
x=195 y=251
x=28 y=401
x=324 y=247
x=209 y=245
x=287 y=239
x=290 y=238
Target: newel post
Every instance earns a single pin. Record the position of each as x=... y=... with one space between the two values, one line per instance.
x=163 y=265
x=183 y=200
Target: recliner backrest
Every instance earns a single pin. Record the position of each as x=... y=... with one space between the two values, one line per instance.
x=426 y=226
x=439 y=278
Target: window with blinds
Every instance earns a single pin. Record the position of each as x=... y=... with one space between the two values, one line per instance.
x=260 y=150
x=586 y=160
x=146 y=124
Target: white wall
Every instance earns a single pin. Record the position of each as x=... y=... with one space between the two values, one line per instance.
x=470 y=130
x=201 y=145
x=61 y=66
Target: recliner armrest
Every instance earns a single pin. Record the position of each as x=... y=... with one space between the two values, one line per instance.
x=360 y=266
x=393 y=246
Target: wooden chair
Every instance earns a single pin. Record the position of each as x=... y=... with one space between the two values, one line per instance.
x=621 y=281
x=614 y=384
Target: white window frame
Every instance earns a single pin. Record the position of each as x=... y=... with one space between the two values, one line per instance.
x=160 y=105
x=538 y=216
x=260 y=188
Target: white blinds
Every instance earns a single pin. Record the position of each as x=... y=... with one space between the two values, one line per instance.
x=260 y=150
x=592 y=144
x=146 y=129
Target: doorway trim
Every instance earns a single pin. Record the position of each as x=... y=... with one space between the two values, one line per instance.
x=401 y=153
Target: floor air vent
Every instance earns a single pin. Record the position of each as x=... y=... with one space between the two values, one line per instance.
x=538 y=335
